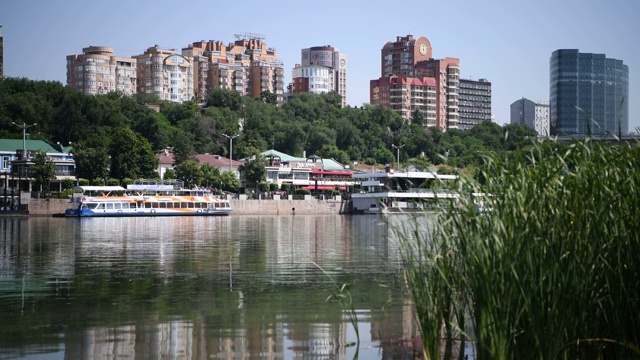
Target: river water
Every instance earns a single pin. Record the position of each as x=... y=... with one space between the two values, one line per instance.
x=204 y=287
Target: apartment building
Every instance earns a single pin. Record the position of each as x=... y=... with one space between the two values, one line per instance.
x=98 y=71
x=474 y=106
x=322 y=69
x=533 y=114
x=416 y=86
x=247 y=66
x=165 y=73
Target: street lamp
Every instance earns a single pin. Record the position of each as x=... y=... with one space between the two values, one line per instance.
x=398 y=147
x=24 y=127
x=230 y=137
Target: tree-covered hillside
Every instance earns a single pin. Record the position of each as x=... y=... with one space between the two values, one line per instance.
x=116 y=136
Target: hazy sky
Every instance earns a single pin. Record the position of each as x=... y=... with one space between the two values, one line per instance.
x=508 y=42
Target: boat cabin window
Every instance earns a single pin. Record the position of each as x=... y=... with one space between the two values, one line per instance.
x=109 y=205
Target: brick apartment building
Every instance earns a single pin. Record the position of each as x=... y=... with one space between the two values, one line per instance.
x=417 y=86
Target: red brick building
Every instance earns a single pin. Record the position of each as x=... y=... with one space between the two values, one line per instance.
x=412 y=83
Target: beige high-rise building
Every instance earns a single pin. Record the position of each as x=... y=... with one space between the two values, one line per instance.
x=322 y=69
x=246 y=66
x=98 y=71
x=166 y=73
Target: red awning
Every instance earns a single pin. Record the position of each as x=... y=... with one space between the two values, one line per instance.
x=322 y=187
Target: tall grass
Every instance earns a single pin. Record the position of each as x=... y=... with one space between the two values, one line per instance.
x=551 y=272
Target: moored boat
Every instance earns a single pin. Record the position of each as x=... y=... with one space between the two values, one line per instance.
x=145 y=198
x=398 y=192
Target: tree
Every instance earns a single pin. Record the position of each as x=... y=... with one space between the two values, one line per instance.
x=92 y=158
x=211 y=176
x=131 y=156
x=230 y=181
x=269 y=97
x=190 y=173
x=169 y=174
x=183 y=148
x=332 y=152
x=254 y=168
x=43 y=170
x=224 y=99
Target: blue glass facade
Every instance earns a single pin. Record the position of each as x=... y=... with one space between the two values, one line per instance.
x=588 y=93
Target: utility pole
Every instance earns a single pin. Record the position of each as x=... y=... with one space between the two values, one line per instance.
x=24 y=127
x=398 y=147
x=230 y=137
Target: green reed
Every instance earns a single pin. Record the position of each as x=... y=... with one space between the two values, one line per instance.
x=552 y=271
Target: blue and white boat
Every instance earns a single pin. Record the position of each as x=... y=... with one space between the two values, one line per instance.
x=145 y=198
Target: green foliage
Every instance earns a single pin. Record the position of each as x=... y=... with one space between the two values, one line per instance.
x=83 y=182
x=273 y=187
x=169 y=174
x=211 y=176
x=113 y=182
x=230 y=182
x=332 y=152
x=311 y=123
x=43 y=170
x=224 y=99
x=92 y=157
x=302 y=192
x=254 y=168
x=190 y=173
x=68 y=184
x=549 y=271
x=126 y=181
x=131 y=156
x=263 y=186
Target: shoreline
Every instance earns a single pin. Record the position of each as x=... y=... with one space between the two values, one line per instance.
x=56 y=207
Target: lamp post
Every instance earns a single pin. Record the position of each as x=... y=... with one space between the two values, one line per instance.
x=230 y=137
x=398 y=147
x=24 y=127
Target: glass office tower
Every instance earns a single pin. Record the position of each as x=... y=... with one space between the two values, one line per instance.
x=589 y=94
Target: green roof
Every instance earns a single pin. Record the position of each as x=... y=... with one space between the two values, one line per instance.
x=16 y=144
x=328 y=164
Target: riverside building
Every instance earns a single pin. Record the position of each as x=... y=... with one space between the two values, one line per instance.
x=98 y=71
x=246 y=66
x=474 y=106
x=416 y=86
x=588 y=94
x=533 y=114
x=322 y=69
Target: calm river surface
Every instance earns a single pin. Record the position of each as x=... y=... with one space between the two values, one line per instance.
x=203 y=287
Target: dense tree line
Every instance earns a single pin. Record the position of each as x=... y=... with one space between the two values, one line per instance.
x=116 y=136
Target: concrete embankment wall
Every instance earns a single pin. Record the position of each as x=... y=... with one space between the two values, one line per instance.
x=48 y=207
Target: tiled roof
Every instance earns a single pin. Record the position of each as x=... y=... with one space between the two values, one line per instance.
x=16 y=144
x=213 y=160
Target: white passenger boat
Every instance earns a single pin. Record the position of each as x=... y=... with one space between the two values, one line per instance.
x=398 y=192
x=145 y=198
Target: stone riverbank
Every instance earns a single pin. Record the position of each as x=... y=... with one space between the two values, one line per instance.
x=49 y=207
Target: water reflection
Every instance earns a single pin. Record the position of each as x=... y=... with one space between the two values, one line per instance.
x=219 y=287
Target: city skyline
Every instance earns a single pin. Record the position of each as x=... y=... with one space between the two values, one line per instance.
x=508 y=44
